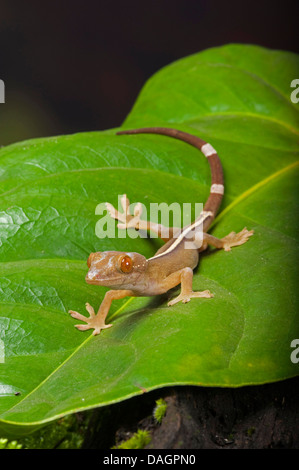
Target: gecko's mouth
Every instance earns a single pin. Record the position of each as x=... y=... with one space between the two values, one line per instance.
x=91 y=275
x=93 y=278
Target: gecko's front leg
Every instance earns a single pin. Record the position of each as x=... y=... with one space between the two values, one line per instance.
x=97 y=321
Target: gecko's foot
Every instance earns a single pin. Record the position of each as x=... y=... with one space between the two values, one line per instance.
x=235 y=239
x=94 y=321
x=187 y=297
x=128 y=220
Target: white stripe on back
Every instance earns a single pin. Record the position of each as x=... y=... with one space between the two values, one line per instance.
x=203 y=216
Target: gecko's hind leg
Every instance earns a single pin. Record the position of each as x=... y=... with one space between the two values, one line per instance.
x=231 y=240
x=185 y=277
x=236 y=239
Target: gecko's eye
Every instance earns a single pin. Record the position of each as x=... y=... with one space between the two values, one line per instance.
x=126 y=264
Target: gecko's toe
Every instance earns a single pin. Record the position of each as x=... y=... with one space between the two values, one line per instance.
x=92 y=322
x=185 y=298
x=77 y=315
x=83 y=327
x=236 y=239
x=97 y=330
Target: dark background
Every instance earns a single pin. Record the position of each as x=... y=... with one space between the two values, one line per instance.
x=72 y=66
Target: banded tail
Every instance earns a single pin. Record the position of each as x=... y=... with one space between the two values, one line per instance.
x=217 y=184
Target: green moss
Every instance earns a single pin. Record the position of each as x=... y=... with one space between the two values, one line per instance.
x=6 y=444
x=138 y=441
x=160 y=410
x=250 y=431
x=65 y=433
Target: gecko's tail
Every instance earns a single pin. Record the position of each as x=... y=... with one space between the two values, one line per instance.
x=217 y=184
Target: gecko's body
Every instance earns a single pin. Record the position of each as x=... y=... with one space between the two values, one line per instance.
x=131 y=274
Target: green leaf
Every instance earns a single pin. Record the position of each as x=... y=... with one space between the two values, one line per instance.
x=238 y=99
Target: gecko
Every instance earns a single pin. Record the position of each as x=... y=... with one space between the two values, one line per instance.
x=130 y=274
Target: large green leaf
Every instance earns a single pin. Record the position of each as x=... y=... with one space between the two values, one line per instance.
x=238 y=99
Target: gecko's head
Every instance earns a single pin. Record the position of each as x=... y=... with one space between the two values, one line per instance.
x=115 y=269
